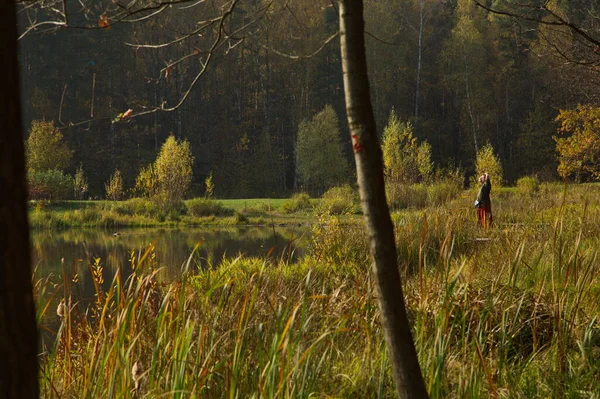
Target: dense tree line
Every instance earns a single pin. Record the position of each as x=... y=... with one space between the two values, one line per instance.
x=462 y=77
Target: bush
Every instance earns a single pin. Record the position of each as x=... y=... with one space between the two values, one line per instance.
x=442 y=192
x=339 y=200
x=298 y=202
x=50 y=185
x=528 y=185
x=114 y=187
x=406 y=195
x=138 y=206
x=80 y=184
x=205 y=207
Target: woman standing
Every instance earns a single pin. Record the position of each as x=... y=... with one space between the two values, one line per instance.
x=484 y=203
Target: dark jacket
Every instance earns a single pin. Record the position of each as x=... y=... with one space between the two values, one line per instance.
x=483 y=197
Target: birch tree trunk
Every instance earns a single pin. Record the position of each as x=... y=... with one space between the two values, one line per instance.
x=18 y=333
x=369 y=168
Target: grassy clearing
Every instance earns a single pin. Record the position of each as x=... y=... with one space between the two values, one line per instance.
x=510 y=312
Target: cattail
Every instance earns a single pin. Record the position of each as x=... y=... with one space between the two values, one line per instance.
x=137 y=373
x=61 y=310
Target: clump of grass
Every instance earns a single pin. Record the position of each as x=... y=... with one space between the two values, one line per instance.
x=339 y=200
x=206 y=207
x=298 y=202
x=528 y=185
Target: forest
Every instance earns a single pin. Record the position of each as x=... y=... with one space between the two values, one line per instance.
x=462 y=76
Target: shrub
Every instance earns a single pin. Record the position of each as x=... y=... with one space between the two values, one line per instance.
x=442 y=192
x=488 y=162
x=205 y=207
x=138 y=206
x=241 y=218
x=339 y=200
x=146 y=184
x=528 y=185
x=114 y=187
x=50 y=185
x=46 y=149
x=406 y=195
x=298 y=202
x=80 y=184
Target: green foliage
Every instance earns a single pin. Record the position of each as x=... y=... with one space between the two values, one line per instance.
x=173 y=169
x=488 y=162
x=49 y=185
x=146 y=183
x=80 y=184
x=405 y=161
x=200 y=207
x=209 y=185
x=298 y=202
x=579 y=153
x=340 y=200
x=320 y=162
x=528 y=185
x=114 y=187
x=46 y=149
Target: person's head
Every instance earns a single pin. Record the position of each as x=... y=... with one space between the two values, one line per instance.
x=481 y=178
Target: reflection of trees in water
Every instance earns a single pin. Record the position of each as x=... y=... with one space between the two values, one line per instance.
x=172 y=247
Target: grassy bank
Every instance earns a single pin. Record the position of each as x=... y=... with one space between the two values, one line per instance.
x=506 y=312
x=138 y=212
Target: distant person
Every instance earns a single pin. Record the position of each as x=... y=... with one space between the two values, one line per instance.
x=483 y=202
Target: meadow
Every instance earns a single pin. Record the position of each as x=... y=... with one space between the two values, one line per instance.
x=506 y=312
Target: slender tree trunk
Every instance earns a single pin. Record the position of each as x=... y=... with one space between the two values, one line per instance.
x=18 y=333
x=420 y=55
x=369 y=168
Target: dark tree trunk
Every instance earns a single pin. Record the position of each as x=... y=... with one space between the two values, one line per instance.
x=18 y=333
x=369 y=169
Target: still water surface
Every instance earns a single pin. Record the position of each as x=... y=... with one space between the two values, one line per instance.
x=173 y=247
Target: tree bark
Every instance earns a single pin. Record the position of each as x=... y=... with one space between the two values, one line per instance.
x=18 y=333
x=369 y=168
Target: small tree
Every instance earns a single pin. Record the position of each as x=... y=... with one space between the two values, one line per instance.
x=405 y=161
x=210 y=186
x=320 y=162
x=114 y=187
x=146 y=184
x=46 y=149
x=173 y=169
x=488 y=162
x=579 y=153
x=80 y=184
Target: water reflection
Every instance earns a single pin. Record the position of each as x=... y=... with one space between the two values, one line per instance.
x=173 y=247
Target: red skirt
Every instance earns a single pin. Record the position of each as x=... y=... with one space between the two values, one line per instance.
x=484 y=215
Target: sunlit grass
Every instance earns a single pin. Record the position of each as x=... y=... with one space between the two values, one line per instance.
x=506 y=312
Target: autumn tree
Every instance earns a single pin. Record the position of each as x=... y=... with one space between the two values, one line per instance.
x=320 y=162
x=579 y=146
x=46 y=148
x=173 y=168
x=488 y=162
x=404 y=159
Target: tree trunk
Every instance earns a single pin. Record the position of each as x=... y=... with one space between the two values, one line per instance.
x=18 y=333
x=369 y=168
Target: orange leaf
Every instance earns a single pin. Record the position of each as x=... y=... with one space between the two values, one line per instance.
x=103 y=22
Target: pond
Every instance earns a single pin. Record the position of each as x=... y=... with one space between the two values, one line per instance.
x=173 y=248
